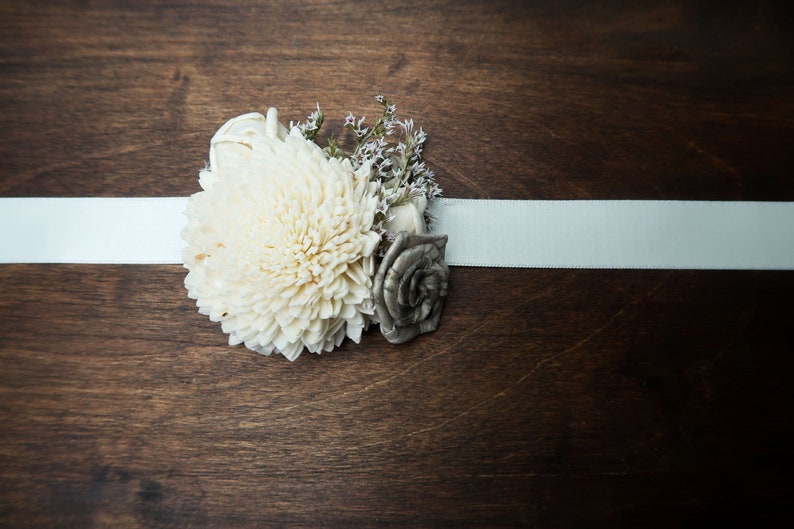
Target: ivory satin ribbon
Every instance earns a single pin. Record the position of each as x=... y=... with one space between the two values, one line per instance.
x=487 y=233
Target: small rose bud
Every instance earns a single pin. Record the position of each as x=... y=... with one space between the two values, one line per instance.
x=409 y=217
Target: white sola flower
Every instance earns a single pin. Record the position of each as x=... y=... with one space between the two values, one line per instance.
x=280 y=243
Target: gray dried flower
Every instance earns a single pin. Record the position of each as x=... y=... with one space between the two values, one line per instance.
x=410 y=286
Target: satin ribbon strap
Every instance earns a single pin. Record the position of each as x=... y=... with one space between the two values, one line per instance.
x=91 y=230
x=618 y=233
x=505 y=233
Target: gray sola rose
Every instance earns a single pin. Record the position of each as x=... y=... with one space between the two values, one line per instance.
x=411 y=286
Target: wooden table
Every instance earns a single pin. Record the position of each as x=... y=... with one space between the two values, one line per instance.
x=564 y=398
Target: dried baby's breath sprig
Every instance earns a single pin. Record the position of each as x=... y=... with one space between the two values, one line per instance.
x=312 y=125
x=393 y=149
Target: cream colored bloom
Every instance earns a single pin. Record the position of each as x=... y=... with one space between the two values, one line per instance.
x=280 y=247
x=408 y=217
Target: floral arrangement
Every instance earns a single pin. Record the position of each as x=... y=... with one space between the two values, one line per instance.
x=292 y=246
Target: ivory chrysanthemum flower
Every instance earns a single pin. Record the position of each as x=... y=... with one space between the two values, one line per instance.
x=280 y=240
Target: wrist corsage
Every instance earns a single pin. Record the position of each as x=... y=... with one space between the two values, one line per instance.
x=295 y=246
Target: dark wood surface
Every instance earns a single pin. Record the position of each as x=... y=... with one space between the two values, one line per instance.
x=548 y=398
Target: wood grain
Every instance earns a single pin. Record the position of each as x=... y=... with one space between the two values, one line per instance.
x=547 y=398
